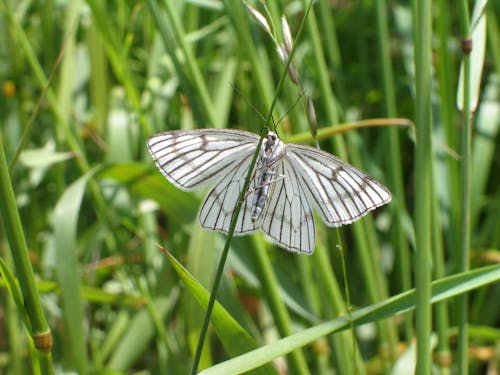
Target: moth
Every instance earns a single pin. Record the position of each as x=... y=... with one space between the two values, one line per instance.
x=288 y=181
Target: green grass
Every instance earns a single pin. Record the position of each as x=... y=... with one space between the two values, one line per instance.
x=85 y=83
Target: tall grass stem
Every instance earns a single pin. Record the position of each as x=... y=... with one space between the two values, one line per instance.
x=463 y=258
x=38 y=327
x=225 y=251
x=423 y=170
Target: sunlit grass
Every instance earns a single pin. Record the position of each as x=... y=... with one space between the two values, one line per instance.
x=89 y=82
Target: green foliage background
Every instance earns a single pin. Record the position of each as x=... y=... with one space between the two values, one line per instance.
x=85 y=83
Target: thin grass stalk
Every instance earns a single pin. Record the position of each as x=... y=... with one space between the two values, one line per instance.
x=290 y=98
x=308 y=285
x=39 y=328
x=241 y=198
x=463 y=258
x=376 y=286
x=27 y=129
x=344 y=345
x=394 y=160
x=423 y=170
x=347 y=292
x=223 y=258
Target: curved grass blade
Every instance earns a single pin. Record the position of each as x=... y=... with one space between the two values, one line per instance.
x=441 y=289
x=235 y=339
x=64 y=221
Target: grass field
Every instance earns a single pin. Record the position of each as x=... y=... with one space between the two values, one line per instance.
x=86 y=289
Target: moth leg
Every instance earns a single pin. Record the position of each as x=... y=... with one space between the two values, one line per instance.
x=272 y=181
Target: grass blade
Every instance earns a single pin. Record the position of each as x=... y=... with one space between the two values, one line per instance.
x=441 y=290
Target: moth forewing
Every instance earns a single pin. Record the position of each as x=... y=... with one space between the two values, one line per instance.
x=191 y=158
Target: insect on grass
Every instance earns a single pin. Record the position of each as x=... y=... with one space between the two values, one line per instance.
x=288 y=182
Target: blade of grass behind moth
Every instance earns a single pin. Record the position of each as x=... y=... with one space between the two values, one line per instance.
x=330 y=131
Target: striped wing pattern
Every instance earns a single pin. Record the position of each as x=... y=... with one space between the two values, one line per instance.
x=339 y=191
x=288 y=219
x=305 y=178
x=217 y=210
x=192 y=158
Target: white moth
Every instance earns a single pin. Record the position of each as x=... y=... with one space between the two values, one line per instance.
x=288 y=181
